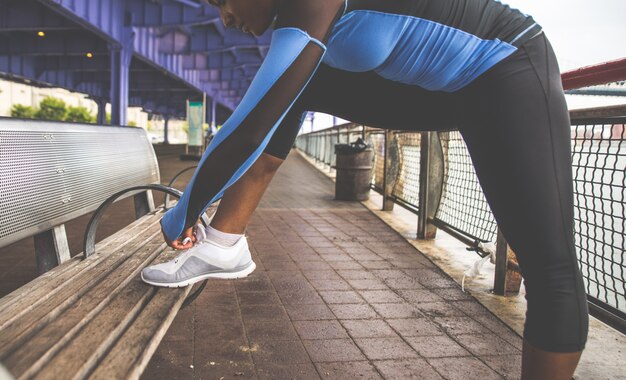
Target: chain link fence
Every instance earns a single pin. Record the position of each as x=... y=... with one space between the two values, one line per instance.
x=599 y=171
x=599 y=167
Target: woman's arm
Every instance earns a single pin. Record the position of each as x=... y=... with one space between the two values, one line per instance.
x=296 y=50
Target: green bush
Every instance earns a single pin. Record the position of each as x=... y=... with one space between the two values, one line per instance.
x=51 y=109
x=23 y=112
x=79 y=115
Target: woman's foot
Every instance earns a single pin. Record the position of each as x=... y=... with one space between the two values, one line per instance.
x=204 y=260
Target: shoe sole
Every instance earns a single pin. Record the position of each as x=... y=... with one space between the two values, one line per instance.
x=221 y=275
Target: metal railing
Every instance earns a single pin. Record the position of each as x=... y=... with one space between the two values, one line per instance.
x=462 y=210
x=599 y=170
x=403 y=177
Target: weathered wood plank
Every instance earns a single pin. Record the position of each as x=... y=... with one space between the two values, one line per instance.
x=55 y=334
x=57 y=284
x=85 y=350
x=133 y=351
x=15 y=332
x=54 y=279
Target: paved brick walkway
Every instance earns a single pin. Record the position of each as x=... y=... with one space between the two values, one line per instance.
x=337 y=294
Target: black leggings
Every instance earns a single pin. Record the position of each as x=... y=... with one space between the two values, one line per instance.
x=515 y=122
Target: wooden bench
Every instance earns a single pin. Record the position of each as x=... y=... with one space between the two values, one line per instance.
x=85 y=317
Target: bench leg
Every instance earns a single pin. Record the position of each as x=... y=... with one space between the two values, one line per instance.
x=51 y=248
x=144 y=203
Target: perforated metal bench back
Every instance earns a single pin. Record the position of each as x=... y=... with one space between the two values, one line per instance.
x=54 y=172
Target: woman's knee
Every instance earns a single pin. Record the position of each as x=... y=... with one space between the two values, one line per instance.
x=557 y=318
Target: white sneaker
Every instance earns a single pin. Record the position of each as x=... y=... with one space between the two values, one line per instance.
x=205 y=259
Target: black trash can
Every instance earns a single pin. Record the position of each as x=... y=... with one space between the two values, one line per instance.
x=354 y=171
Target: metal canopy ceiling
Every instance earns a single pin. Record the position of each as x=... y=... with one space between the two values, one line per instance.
x=178 y=50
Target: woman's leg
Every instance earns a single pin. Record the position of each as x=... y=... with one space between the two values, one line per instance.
x=243 y=197
x=518 y=135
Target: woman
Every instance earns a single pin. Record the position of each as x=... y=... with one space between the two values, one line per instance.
x=475 y=65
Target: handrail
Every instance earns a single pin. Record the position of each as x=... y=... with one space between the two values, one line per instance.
x=607 y=72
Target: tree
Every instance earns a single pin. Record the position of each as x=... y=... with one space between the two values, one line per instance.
x=79 y=115
x=51 y=109
x=23 y=112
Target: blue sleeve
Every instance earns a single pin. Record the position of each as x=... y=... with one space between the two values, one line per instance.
x=290 y=63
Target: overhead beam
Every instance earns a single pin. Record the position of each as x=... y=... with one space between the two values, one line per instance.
x=106 y=18
x=57 y=44
x=220 y=60
x=30 y=16
x=170 y=13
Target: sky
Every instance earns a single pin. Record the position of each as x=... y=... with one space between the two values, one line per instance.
x=582 y=33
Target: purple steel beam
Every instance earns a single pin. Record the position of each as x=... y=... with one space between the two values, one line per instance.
x=219 y=60
x=104 y=17
x=28 y=15
x=98 y=64
x=170 y=13
x=53 y=44
x=112 y=20
x=120 y=67
x=17 y=66
x=205 y=40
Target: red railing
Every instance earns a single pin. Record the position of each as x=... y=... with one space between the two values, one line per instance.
x=603 y=73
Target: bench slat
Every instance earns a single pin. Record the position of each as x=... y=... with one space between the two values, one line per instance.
x=19 y=330
x=55 y=334
x=76 y=269
x=133 y=351
x=54 y=279
x=79 y=356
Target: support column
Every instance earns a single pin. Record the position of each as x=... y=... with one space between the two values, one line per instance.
x=120 y=68
x=165 y=130
x=391 y=168
x=101 y=118
x=431 y=183
x=213 y=116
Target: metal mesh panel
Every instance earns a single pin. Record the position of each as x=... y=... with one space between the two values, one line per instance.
x=53 y=172
x=408 y=182
x=463 y=204
x=599 y=167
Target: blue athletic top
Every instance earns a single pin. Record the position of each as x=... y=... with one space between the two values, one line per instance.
x=440 y=45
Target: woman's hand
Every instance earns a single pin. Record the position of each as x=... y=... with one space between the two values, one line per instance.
x=180 y=243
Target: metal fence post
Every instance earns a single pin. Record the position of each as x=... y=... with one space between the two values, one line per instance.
x=431 y=183
x=391 y=166
x=508 y=277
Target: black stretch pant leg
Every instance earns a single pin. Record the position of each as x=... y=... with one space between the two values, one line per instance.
x=518 y=133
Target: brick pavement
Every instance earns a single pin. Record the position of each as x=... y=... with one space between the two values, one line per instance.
x=337 y=294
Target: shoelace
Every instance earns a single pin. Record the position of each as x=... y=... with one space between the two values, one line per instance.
x=200 y=234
